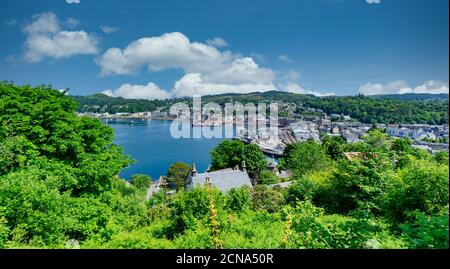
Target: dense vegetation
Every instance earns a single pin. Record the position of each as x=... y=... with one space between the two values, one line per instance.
x=101 y=103
x=234 y=153
x=410 y=108
x=59 y=189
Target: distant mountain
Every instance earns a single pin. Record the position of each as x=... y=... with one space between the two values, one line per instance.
x=413 y=96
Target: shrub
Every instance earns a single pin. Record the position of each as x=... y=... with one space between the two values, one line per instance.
x=427 y=231
x=239 y=199
x=267 y=198
x=141 y=181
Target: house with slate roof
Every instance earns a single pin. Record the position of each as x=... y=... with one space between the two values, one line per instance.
x=224 y=180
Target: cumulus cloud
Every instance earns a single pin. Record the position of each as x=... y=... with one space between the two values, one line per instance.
x=171 y=50
x=401 y=87
x=206 y=70
x=373 y=1
x=241 y=71
x=194 y=84
x=293 y=87
x=284 y=58
x=45 y=38
x=150 y=91
x=217 y=42
x=72 y=1
x=109 y=29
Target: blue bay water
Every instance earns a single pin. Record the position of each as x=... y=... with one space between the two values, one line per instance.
x=154 y=149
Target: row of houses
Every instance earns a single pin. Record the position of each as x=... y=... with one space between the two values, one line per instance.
x=418 y=133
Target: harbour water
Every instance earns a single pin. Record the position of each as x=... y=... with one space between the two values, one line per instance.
x=149 y=143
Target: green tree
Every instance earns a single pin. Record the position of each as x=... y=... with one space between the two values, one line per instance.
x=232 y=153
x=305 y=157
x=358 y=184
x=227 y=154
x=424 y=187
x=333 y=146
x=177 y=174
x=401 y=145
x=44 y=121
x=376 y=139
x=141 y=181
x=254 y=159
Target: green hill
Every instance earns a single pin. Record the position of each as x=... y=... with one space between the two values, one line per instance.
x=408 y=108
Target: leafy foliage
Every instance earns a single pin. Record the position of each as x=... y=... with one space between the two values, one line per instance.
x=177 y=174
x=305 y=157
x=141 y=181
x=232 y=153
x=59 y=185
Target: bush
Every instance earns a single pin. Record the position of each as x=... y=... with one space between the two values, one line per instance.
x=141 y=181
x=305 y=157
x=268 y=178
x=309 y=227
x=301 y=190
x=359 y=184
x=427 y=231
x=239 y=199
x=267 y=198
x=192 y=207
x=423 y=187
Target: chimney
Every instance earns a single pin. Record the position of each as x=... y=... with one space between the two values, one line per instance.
x=194 y=170
x=244 y=167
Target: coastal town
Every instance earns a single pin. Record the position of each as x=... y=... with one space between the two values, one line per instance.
x=295 y=127
x=291 y=128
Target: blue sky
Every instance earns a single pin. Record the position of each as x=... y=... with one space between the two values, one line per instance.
x=161 y=49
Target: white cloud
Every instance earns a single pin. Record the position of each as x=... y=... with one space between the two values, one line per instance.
x=43 y=23
x=373 y=1
x=241 y=70
x=150 y=91
x=207 y=71
x=171 y=50
x=109 y=29
x=401 y=87
x=45 y=38
x=293 y=87
x=217 y=42
x=194 y=84
x=72 y=1
x=284 y=58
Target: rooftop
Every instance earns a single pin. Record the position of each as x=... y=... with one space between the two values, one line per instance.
x=224 y=180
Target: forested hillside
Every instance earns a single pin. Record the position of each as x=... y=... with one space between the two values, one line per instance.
x=59 y=188
x=376 y=109
x=103 y=103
